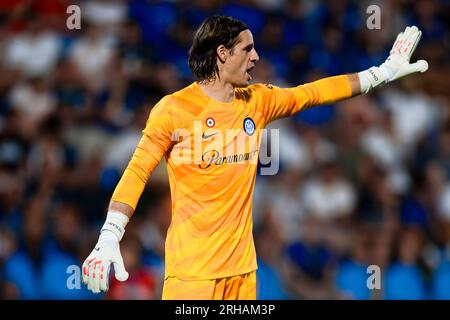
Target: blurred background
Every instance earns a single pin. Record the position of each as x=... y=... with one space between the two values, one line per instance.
x=363 y=182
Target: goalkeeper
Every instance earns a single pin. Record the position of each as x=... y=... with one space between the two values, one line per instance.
x=209 y=249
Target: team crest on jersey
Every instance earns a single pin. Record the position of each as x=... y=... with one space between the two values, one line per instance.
x=210 y=122
x=249 y=126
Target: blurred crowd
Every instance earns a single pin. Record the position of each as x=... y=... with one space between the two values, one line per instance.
x=363 y=182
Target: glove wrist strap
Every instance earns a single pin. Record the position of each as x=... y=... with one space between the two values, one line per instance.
x=370 y=79
x=115 y=222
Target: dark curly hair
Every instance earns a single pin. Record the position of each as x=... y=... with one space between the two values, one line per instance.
x=213 y=32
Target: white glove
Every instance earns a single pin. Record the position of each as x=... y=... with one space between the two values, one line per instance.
x=107 y=250
x=397 y=64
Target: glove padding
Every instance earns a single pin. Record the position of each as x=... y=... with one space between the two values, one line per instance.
x=397 y=64
x=97 y=264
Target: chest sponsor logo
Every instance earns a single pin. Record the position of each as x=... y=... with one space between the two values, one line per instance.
x=209 y=148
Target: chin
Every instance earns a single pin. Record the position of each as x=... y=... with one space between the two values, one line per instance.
x=242 y=84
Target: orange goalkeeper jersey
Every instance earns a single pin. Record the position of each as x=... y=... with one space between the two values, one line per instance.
x=211 y=151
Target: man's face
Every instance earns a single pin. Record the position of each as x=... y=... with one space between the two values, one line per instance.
x=240 y=61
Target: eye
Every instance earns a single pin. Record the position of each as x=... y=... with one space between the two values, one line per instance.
x=249 y=48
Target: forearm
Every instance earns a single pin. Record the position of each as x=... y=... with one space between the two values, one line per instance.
x=128 y=191
x=146 y=157
x=325 y=91
x=121 y=207
x=355 y=84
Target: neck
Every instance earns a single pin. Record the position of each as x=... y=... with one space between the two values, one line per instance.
x=218 y=90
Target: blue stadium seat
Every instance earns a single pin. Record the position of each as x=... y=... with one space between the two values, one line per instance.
x=404 y=282
x=351 y=280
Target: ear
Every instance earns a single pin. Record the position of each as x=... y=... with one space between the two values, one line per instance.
x=222 y=53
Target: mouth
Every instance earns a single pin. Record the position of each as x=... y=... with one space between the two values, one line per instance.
x=248 y=72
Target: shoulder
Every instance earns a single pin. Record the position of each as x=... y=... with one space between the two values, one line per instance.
x=163 y=106
x=255 y=91
x=171 y=102
x=256 y=88
x=188 y=95
x=188 y=102
x=182 y=104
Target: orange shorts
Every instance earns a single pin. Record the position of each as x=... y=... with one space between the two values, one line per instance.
x=241 y=287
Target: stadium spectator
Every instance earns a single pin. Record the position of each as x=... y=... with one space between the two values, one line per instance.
x=404 y=277
x=34 y=52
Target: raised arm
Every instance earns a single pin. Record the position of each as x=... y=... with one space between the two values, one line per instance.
x=283 y=102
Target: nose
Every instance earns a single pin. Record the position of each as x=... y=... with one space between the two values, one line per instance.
x=255 y=56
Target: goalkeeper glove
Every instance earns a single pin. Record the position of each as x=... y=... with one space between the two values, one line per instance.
x=106 y=251
x=397 y=64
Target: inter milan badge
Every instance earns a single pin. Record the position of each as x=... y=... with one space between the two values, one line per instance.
x=210 y=122
x=249 y=126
